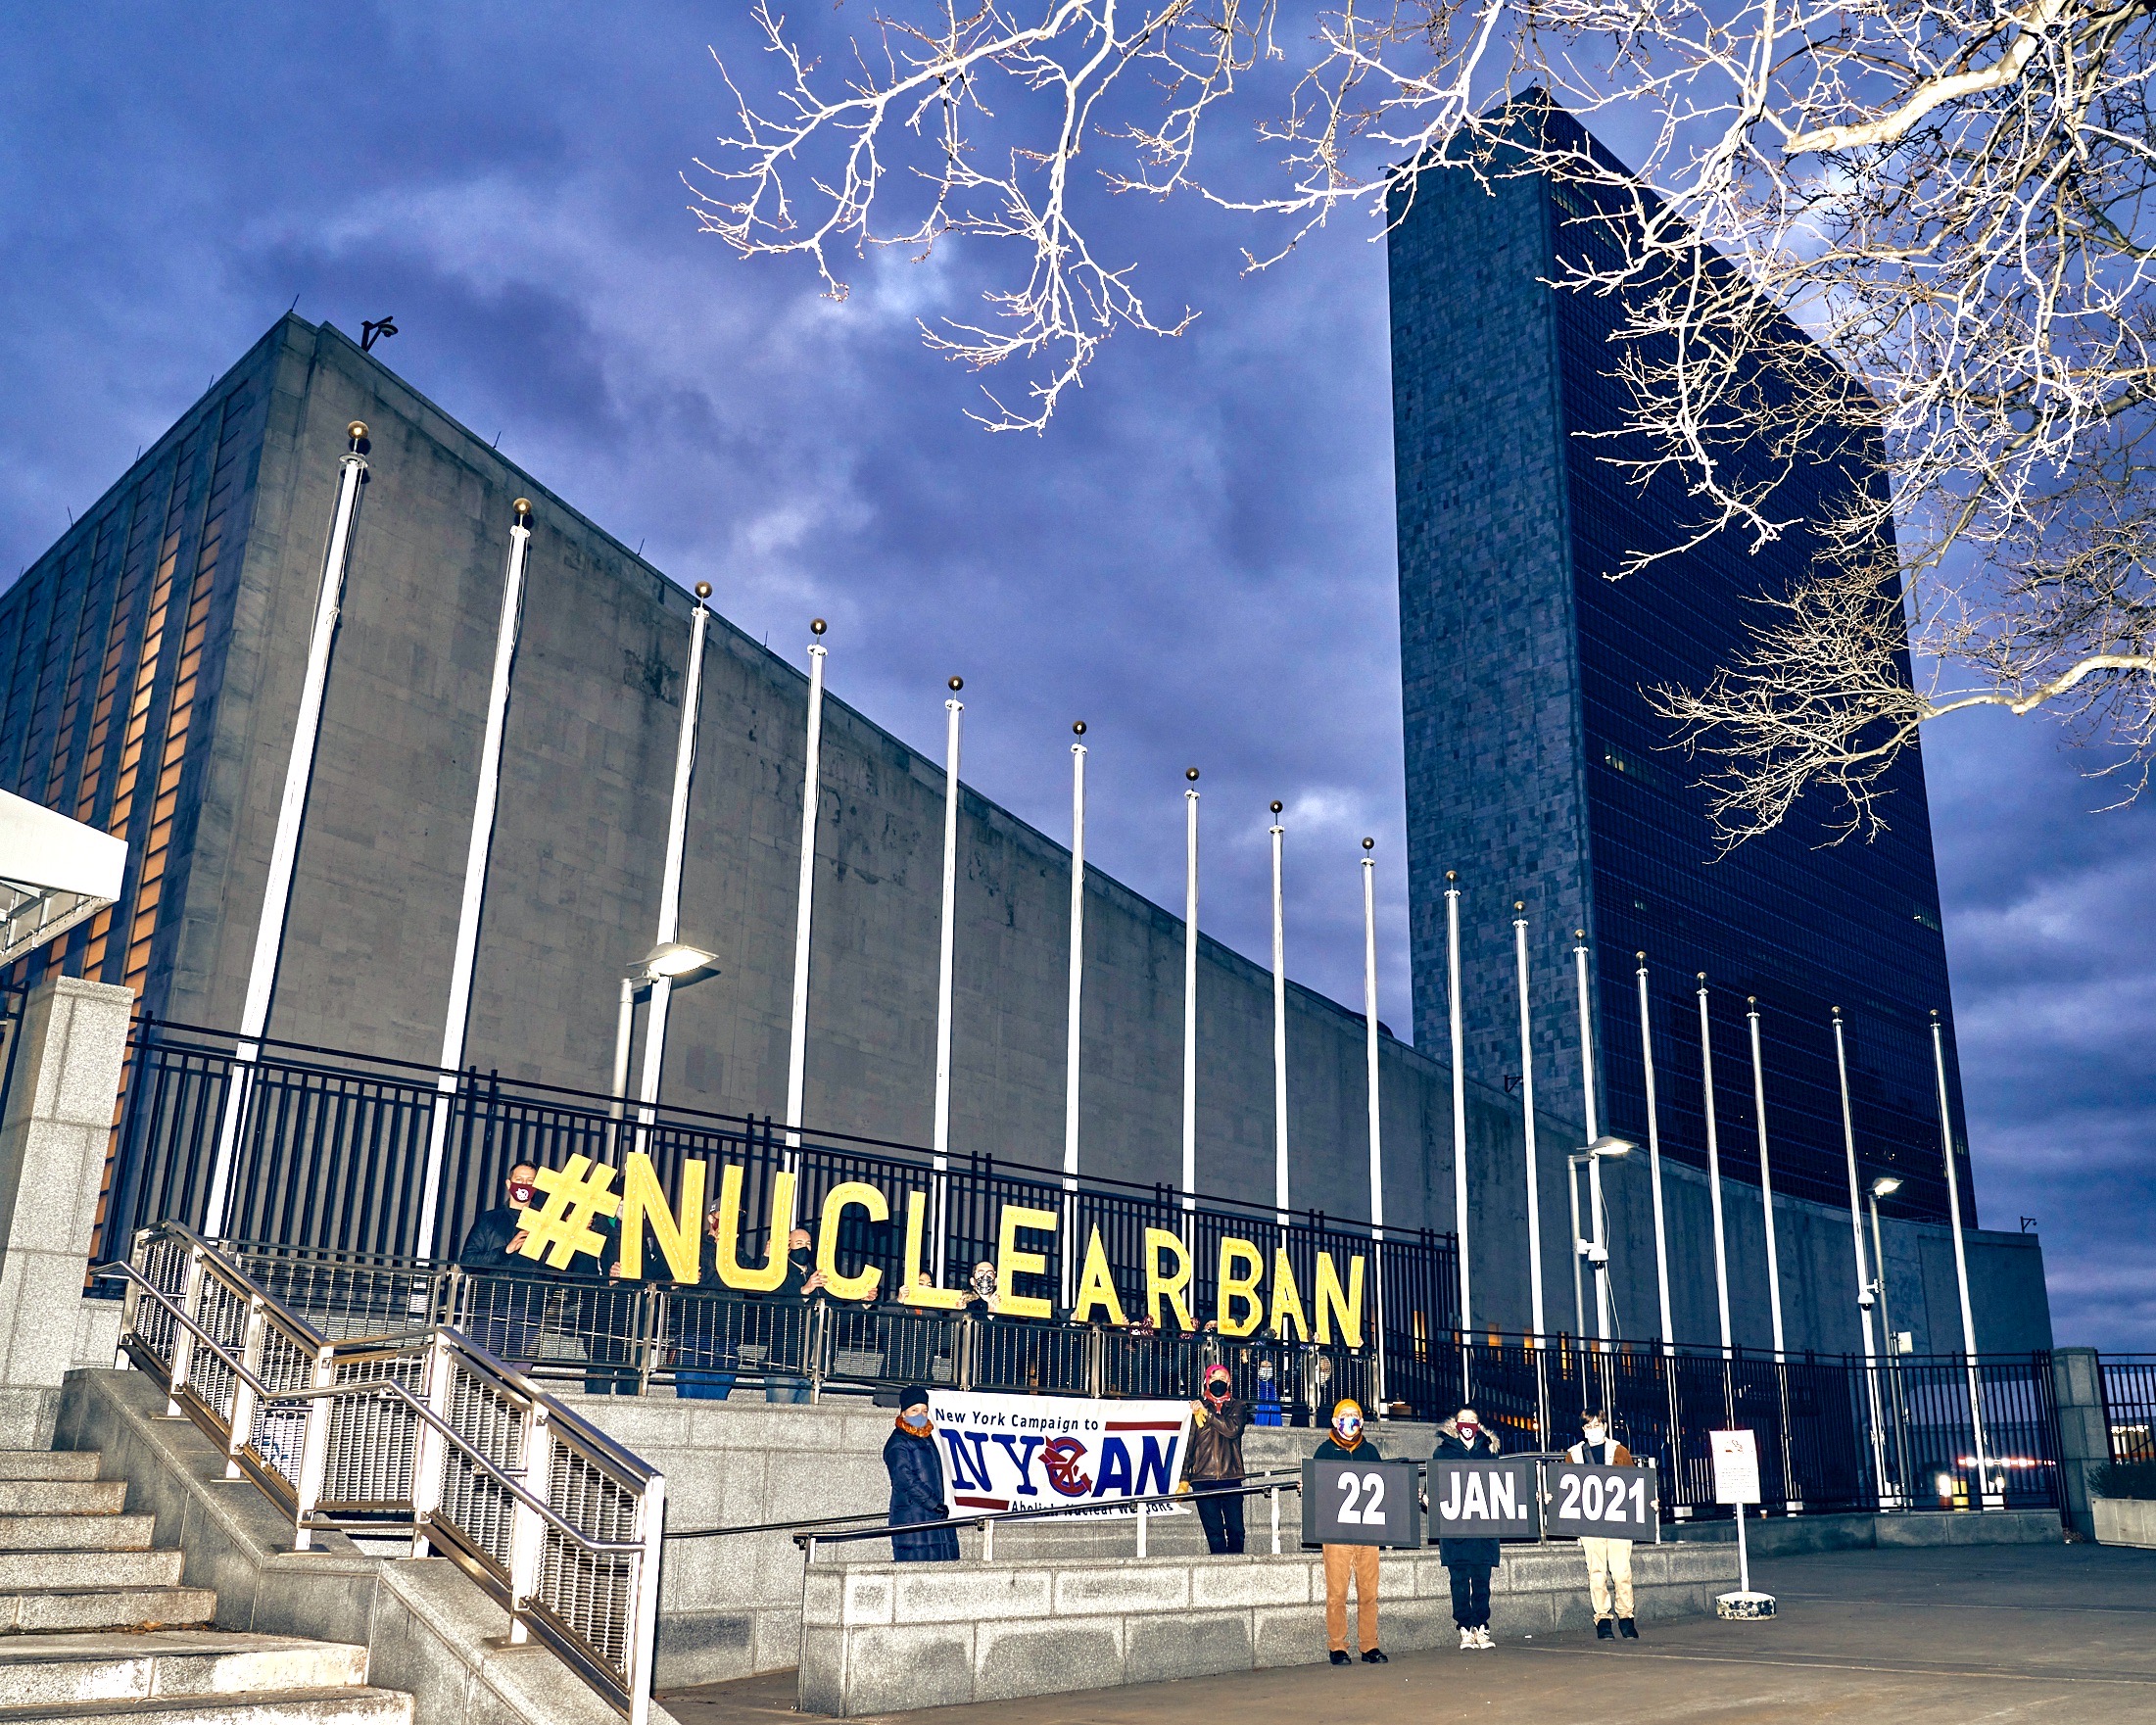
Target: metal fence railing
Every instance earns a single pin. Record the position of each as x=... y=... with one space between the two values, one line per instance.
x=2129 y=1404
x=1833 y=1433
x=328 y=1150
x=614 y=1337
x=419 y=1430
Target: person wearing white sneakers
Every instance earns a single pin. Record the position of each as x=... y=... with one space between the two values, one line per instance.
x=1469 y=1561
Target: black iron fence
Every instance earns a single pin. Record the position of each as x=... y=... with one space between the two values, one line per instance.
x=329 y=1151
x=2129 y=1404
x=1834 y=1432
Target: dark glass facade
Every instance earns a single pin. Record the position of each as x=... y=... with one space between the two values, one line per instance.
x=1539 y=773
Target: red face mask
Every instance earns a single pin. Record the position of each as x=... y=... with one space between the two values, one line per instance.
x=523 y=1194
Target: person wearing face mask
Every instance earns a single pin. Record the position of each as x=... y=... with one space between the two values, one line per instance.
x=981 y=1288
x=504 y=1315
x=1217 y=1422
x=917 y=1484
x=1609 y=1560
x=1469 y=1561
x=1344 y=1563
x=803 y=1281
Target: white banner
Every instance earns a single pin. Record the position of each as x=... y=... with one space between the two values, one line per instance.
x=1056 y=1451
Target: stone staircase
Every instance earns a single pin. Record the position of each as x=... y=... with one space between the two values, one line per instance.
x=97 y=1626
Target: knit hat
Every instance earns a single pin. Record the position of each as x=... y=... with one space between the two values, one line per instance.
x=913 y=1395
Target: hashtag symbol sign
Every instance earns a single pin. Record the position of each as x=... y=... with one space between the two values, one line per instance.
x=575 y=1193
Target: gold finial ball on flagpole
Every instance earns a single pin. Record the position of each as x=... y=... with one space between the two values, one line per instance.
x=1277 y=808
x=523 y=507
x=703 y=589
x=357 y=431
x=1370 y=844
x=1641 y=956
x=1190 y=773
x=816 y=625
x=1451 y=874
x=1519 y=905
x=957 y=683
x=1078 y=729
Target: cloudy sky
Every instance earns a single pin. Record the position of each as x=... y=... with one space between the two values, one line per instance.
x=1197 y=558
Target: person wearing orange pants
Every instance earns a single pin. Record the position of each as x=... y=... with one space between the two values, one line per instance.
x=1345 y=1564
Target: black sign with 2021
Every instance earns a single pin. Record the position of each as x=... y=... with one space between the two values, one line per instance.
x=1602 y=1502
x=1361 y=1504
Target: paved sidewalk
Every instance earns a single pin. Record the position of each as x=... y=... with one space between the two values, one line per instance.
x=2012 y=1633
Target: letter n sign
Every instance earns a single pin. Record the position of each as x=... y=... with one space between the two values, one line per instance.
x=1361 y=1504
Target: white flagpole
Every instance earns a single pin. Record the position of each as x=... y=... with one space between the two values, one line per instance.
x=1074 y=1035
x=1654 y=1165
x=952 y=708
x=1597 y=1266
x=804 y=894
x=1863 y=1272
x=1191 y=1005
x=1459 y=1098
x=1713 y=1166
x=676 y=854
x=1962 y=1266
x=1527 y=1104
x=1766 y=1178
x=284 y=846
x=1279 y=1034
x=484 y=802
x=1377 y=1162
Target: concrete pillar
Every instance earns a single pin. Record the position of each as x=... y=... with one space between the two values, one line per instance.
x=63 y=1082
x=2084 y=1434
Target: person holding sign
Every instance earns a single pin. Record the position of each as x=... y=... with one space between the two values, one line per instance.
x=1609 y=1560
x=1216 y=1465
x=917 y=1484
x=1469 y=1561
x=1343 y=1562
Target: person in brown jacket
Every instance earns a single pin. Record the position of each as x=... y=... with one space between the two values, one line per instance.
x=1218 y=1423
x=1609 y=1560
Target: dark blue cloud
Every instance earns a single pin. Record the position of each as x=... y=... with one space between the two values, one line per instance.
x=1197 y=558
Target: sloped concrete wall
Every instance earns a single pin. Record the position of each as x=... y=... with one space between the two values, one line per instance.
x=891 y=1636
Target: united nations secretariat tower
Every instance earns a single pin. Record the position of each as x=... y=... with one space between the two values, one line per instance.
x=452 y=969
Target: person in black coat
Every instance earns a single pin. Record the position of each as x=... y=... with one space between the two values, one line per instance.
x=502 y=1313
x=1469 y=1561
x=917 y=1484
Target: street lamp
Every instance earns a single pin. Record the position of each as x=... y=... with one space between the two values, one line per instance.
x=668 y=961
x=1595 y=1249
x=1884 y=1186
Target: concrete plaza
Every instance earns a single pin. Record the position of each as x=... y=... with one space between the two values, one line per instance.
x=1948 y=1635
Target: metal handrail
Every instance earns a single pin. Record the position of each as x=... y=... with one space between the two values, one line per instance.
x=610 y=1646
x=386 y=1389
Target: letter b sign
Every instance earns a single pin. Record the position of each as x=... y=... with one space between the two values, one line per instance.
x=1361 y=1504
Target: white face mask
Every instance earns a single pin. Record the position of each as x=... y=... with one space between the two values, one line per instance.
x=1595 y=1434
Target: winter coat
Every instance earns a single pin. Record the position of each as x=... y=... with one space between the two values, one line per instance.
x=1611 y=1454
x=1216 y=1440
x=1333 y=1450
x=487 y=1245
x=917 y=1495
x=1453 y=1446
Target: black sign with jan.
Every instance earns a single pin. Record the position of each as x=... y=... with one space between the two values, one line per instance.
x=1482 y=1500
x=1603 y=1503
x=1361 y=1504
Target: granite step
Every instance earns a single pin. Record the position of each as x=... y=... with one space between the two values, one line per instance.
x=70 y=1670
x=290 y=1707
x=63 y=1497
x=35 y=1610
x=74 y=1570
x=48 y=1464
x=75 y=1533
